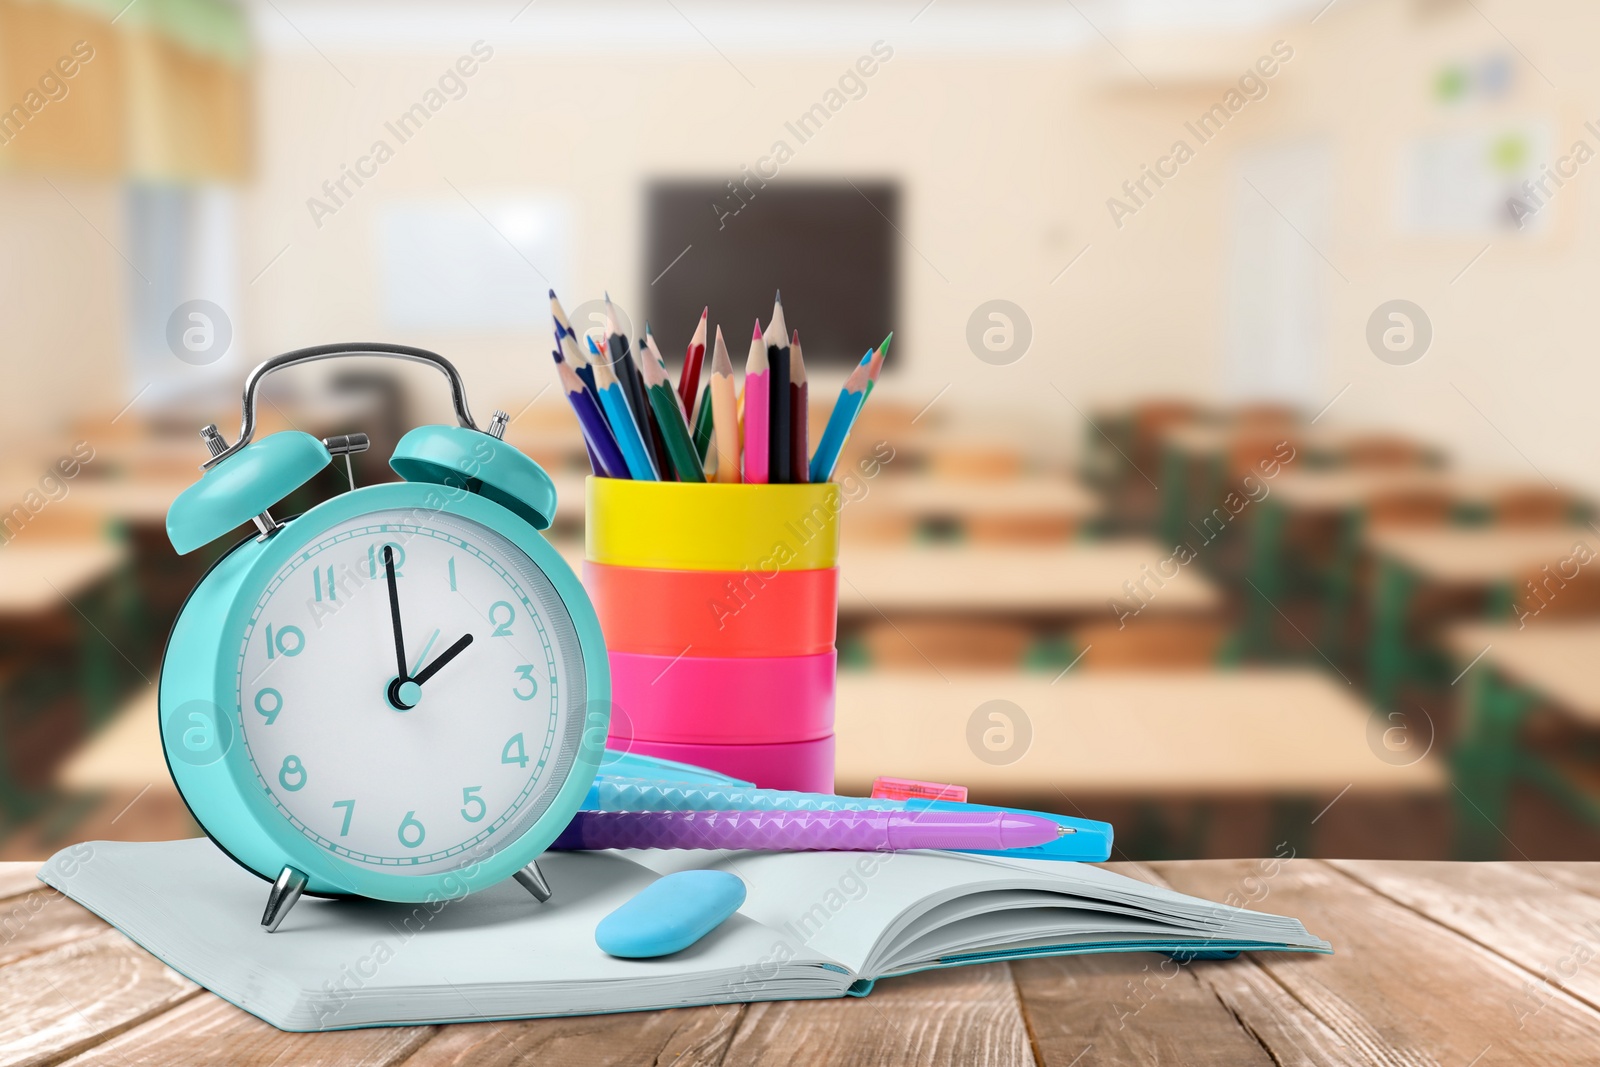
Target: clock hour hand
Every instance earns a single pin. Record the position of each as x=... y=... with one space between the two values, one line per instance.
x=444 y=657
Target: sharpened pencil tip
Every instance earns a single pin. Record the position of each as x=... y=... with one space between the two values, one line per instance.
x=778 y=299
x=757 y=335
x=552 y=294
x=705 y=311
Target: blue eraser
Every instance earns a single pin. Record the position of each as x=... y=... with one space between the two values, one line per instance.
x=670 y=914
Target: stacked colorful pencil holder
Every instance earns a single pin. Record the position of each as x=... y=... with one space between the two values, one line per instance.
x=719 y=605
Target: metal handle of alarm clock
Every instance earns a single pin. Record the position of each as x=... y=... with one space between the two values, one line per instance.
x=247 y=427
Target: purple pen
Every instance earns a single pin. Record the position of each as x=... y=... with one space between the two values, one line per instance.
x=807 y=831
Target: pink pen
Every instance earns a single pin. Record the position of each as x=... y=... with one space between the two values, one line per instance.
x=808 y=831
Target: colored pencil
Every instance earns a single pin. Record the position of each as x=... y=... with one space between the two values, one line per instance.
x=627 y=374
x=566 y=338
x=845 y=410
x=876 y=363
x=799 y=413
x=595 y=463
x=669 y=413
x=724 y=407
x=620 y=414
x=575 y=354
x=649 y=350
x=693 y=363
x=779 y=419
x=604 y=454
x=757 y=410
x=700 y=414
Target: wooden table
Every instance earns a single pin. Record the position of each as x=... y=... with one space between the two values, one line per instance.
x=34 y=578
x=1507 y=671
x=1293 y=731
x=1052 y=582
x=1435 y=963
x=1489 y=558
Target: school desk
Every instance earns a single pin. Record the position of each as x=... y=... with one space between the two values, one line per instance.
x=1437 y=963
x=1488 y=558
x=1509 y=670
x=1338 y=496
x=1064 y=582
x=1208 y=733
x=1194 y=461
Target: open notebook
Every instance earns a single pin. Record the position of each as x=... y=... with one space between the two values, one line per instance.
x=815 y=924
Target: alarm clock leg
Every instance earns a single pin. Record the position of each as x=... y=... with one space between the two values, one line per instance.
x=285 y=891
x=531 y=879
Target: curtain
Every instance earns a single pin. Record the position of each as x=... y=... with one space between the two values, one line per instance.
x=155 y=90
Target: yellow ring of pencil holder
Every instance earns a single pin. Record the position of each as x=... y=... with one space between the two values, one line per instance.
x=712 y=526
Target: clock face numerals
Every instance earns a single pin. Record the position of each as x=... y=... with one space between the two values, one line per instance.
x=437 y=767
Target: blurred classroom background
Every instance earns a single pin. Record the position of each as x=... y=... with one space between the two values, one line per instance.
x=1231 y=476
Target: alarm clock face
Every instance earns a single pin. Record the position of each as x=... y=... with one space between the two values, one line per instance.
x=421 y=753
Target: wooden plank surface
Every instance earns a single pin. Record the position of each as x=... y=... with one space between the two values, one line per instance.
x=1070 y=579
x=1401 y=989
x=18 y=878
x=1436 y=963
x=73 y=997
x=683 y=1037
x=42 y=920
x=1545 y=925
x=1554 y=657
x=209 y=1030
x=1180 y=732
x=967 y=1015
x=1480 y=555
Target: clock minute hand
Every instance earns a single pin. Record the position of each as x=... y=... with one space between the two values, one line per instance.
x=444 y=657
x=394 y=615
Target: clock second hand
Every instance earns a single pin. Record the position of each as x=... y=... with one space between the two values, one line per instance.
x=417 y=666
x=444 y=657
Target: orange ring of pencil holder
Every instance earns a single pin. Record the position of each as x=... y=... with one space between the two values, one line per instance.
x=648 y=611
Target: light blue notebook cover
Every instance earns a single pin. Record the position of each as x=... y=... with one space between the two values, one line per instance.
x=818 y=924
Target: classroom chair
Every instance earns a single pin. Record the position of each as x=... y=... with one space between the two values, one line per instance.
x=1543 y=594
x=946 y=643
x=1531 y=505
x=1265 y=414
x=1153 y=644
x=1383 y=452
x=1409 y=508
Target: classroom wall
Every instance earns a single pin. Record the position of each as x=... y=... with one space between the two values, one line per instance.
x=63 y=284
x=1008 y=155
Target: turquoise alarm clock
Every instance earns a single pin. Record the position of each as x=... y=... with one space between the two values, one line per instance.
x=400 y=694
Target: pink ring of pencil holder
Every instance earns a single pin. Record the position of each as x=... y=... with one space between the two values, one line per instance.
x=745 y=700
x=803 y=765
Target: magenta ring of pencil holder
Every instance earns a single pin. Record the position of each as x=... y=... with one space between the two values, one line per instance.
x=744 y=700
x=803 y=765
